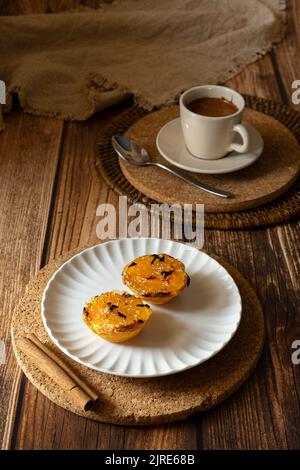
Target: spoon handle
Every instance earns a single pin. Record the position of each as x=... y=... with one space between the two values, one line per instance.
x=204 y=187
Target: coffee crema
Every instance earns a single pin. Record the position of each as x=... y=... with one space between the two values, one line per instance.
x=212 y=107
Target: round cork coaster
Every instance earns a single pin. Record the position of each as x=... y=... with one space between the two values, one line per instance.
x=273 y=173
x=285 y=123
x=147 y=401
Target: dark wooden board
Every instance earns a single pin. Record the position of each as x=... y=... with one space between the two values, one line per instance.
x=49 y=195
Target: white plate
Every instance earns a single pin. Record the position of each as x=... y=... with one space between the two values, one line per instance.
x=180 y=334
x=171 y=146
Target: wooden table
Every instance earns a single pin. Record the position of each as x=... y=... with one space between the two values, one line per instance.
x=49 y=194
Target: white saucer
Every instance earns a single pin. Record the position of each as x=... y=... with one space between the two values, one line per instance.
x=171 y=146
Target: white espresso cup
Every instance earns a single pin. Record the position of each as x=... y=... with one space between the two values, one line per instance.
x=208 y=137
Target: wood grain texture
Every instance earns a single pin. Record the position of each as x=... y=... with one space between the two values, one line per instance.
x=256 y=417
x=72 y=224
x=265 y=413
x=285 y=240
x=29 y=151
x=285 y=57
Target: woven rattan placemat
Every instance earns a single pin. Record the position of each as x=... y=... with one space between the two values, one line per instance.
x=279 y=210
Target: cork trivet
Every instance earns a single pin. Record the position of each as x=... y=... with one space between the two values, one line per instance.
x=265 y=180
x=146 y=401
x=281 y=209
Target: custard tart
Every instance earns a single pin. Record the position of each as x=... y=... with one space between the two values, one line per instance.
x=156 y=278
x=116 y=316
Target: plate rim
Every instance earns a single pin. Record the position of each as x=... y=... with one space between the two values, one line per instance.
x=128 y=375
x=207 y=171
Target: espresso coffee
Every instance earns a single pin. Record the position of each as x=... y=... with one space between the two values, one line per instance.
x=212 y=107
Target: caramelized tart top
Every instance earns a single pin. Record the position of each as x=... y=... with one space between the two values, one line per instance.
x=117 y=310
x=156 y=275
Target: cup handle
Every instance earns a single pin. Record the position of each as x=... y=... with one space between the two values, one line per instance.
x=244 y=147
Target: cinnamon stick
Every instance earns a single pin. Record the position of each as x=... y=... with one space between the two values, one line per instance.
x=47 y=361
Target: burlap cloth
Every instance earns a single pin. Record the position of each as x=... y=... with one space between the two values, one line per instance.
x=73 y=64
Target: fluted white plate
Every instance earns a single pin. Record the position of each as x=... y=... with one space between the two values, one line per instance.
x=181 y=334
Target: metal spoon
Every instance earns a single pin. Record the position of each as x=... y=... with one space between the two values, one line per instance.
x=133 y=153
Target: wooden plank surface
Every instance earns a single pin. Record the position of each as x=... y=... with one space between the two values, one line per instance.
x=29 y=151
x=73 y=224
x=286 y=57
x=265 y=412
